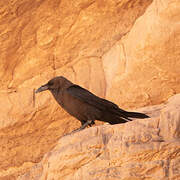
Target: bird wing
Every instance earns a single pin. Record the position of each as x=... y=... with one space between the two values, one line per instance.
x=93 y=100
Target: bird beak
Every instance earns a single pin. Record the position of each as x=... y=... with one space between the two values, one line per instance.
x=42 y=88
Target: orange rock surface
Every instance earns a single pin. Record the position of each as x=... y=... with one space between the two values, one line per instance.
x=141 y=149
x=126 y=51
x=146 y=60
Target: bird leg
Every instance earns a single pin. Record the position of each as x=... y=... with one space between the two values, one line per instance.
x=83 y=126
x=89 y=122
x=92 y=123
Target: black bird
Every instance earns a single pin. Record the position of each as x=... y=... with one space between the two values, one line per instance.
x=84 y=105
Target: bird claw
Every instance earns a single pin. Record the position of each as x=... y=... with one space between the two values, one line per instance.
x=89 y=122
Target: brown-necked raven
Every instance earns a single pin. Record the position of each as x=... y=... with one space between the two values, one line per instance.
x=84 y=105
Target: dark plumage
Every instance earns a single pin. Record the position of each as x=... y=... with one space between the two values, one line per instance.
x=84 y=105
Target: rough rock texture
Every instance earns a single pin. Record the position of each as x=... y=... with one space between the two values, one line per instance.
x=144 y=66
x=141 y=149
x=126 y=51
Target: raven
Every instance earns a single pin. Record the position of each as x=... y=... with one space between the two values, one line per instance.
x=84 y=105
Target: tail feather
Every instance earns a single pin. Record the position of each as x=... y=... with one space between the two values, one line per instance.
x=115 y=119
x=136 y=115
x=118 y=116
x=127 y=115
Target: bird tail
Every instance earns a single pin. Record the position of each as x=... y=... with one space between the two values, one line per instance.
x=135 y=115
x=114 y=118
x=121 y=116
x=117 y=120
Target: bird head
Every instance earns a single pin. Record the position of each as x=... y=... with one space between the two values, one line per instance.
x=54 y=84
x=45 y=87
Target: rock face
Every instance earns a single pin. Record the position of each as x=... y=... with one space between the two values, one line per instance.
x=146 y=60
x=141 y=149
x=126 y=51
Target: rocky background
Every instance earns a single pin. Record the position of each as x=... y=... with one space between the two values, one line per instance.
x=127 y=51
x=148 y=149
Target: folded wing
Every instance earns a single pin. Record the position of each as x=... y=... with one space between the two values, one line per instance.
x=95 y=101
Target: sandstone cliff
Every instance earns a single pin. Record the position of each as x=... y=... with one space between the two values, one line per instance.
x=137 y=150
x=126 y=51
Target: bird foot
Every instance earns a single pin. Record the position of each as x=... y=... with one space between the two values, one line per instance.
x=81 y=128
